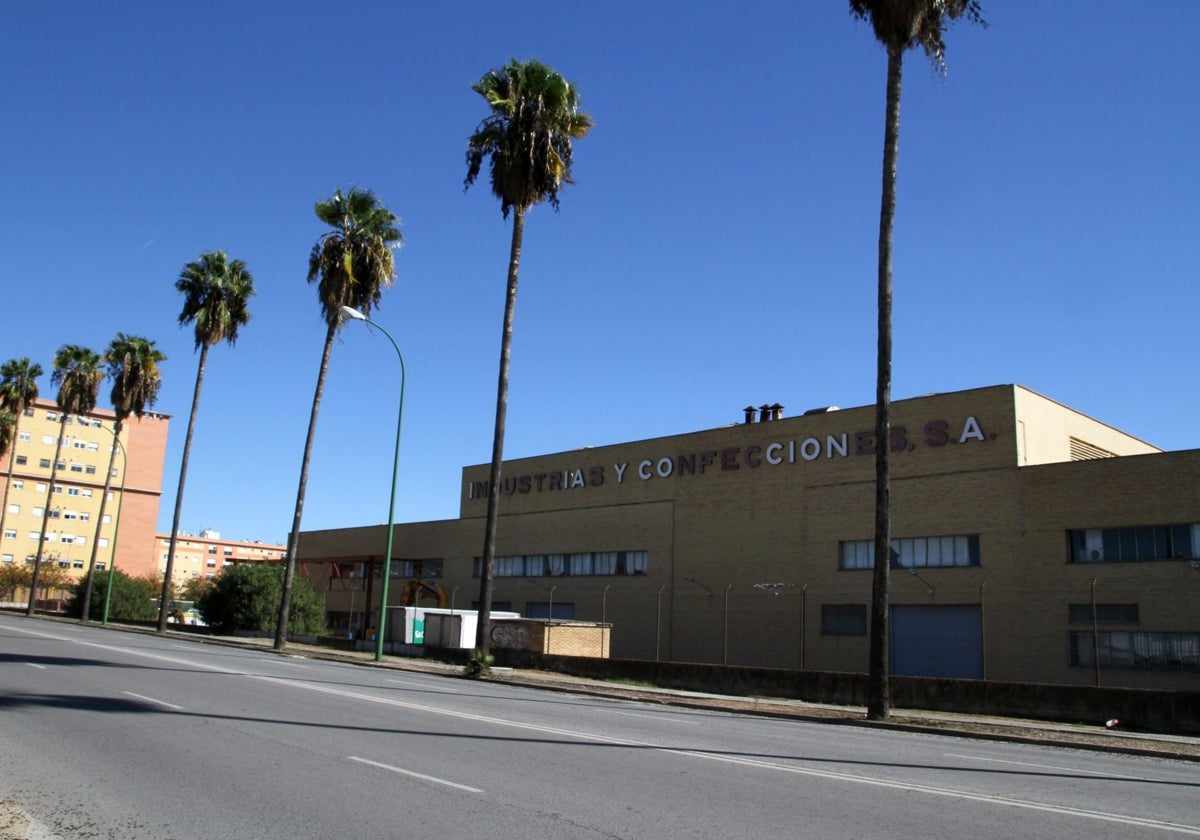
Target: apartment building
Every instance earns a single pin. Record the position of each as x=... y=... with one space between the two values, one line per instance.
x=71 y=509
x=206 y=554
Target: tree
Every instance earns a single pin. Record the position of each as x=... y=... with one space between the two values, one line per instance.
x=352 y=265
x=246 y=597
x=132 y=598
x=216 y=295
x=78 y=374
x=18 y=390
x=131 y=363
x=527 y=139
x=13 y=576
x=899 y=25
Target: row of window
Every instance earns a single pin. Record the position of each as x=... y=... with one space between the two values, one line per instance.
x=581 y=564
x=58 y=513
x=44 y=463
x=914 y=552
x=1139 y=650
x=62 y=564
x=1134 y=544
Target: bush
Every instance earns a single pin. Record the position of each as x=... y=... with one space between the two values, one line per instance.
x=247 y=597
x=132 y=598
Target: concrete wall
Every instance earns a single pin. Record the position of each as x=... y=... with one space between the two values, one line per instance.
x=1157 y=711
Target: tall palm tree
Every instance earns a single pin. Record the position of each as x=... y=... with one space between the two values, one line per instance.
x=18 y=390
x=352 y=265
x=216 y=296
x=899 y=25
x=131 y=362
x=527 y=139
x=78 y=374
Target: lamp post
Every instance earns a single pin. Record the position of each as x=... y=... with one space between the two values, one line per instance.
x=355 y=315
x=550 y=589
x=112 y=557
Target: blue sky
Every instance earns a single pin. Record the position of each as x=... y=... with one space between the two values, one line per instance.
x=717 y=250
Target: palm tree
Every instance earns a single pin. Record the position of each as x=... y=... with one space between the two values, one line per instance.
x=78 y=374
x=217 y=294
x=899 y=25
x=131 y=363
x=527 y=139
x=352 y=265
x=18 y=390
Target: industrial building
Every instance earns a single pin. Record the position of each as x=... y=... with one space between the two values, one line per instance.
x=1033 y=544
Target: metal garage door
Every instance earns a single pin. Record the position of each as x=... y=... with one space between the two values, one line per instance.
x=937 y=641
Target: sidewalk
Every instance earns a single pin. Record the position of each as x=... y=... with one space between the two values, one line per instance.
x=1080 y=736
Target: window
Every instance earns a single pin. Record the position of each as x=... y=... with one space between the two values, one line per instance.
x=577 y=564
x=14 y=508
x=71 y=491
x=22 y=460
x=23 y=437
x=79 y=444
x=77 y=468
x=41 y=488
x=1136 y=650
x=18 y=484
x=6 y=558
x=228 y=551
x=44 y=463
x=106 y=519
x=48 y=439
x=100 y=566
x=89 y=469
x=35 y=536
x=212 y=564
x=1105 y=613
x=51 y=415
x=1134 y=544
x=93 y=447
x=212 y=549
x=102 y=542
x=843 y=619
x=10 y=533
x=915 y=552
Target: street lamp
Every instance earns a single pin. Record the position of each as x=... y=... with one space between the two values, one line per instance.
x=112 y=557
x=550 y=589
x=355 y=315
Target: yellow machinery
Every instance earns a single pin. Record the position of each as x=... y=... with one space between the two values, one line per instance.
x=416 y=589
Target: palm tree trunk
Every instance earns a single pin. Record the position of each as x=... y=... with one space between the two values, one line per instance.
x=878 y=691
x=483 y=640
x=86 y=607
x=41 y=547
x=165 y=598
x=12 y=462
x=289 y=569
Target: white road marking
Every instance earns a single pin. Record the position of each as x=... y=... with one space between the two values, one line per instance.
x=1055 y=767
x=426 y=686
x=36 y=665
x=171 y=706
x=991 y=799
x=420 y=776
x=659 y=718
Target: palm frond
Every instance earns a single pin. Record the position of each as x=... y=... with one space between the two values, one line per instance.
x=527 y=137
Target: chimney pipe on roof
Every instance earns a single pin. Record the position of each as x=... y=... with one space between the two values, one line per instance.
x=749 y=413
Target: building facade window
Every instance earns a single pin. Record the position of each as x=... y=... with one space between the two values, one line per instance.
x=1134 y=544
x=22 y=460
x=578 y=564
x=1104 y=613
x=843 y=619
x=915 y=552
x=1136 y=650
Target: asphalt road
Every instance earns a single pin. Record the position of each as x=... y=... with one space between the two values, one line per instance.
x=118 y=735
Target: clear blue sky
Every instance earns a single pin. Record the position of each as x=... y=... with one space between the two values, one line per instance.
x=718 y=249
